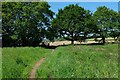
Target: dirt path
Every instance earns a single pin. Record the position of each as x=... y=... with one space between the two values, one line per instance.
x=33 y=71
x=53 y=50
x=36 y=66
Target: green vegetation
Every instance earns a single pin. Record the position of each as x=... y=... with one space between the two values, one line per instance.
x=32 y=23
x=106 y=21
x=0 y=63
x=74 y=23
x=96 y=61
x=24 y=23
x=29 y=23
x=70 y=21
x=81 y=61
x=18 y=62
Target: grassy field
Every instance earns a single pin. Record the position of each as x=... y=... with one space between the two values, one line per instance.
x=81 y=61
x=0 y=63
x=18 y=62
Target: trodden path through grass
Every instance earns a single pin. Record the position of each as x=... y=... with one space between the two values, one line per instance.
x=33 y=71
x=35 y=67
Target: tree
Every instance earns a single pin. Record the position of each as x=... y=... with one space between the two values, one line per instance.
x=115 y=31
x=105 y=20
x=89 y=25
x=24 y=23
x=70 y=21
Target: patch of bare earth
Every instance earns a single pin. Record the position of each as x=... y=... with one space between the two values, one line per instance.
x=53 y=50
x=36 y=66
x=57 y=43
x=33 y=71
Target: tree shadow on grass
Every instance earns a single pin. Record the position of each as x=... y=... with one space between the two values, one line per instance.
x=48 y=47
x=54 y=47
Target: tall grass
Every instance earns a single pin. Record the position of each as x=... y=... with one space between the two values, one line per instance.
x=82 y=61
x=18 y=62
x=0 y=63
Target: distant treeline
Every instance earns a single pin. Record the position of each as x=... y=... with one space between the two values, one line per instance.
x=30 y=23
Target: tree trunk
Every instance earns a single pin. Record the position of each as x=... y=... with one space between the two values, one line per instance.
x=85 y=34
x=103 y=39
x=24 y=42
x=72 y=41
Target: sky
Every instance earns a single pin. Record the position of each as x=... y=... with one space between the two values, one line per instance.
x=92 y=6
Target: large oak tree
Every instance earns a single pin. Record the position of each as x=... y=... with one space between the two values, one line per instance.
x=70 y=22
x=25 y=23
x=106 y=19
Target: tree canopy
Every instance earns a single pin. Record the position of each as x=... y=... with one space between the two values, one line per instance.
x=106 y=19
x=71 y=21
x=25 y=23
x=29 y=23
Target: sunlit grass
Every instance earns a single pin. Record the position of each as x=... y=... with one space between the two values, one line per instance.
x=81 y=61
x=0 y=63
x=18 y=62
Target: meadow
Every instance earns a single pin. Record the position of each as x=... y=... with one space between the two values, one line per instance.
x=0 y=63
x=18 y=62
x=72 y=61
x=81 y=61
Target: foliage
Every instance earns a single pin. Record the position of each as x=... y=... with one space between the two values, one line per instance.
x=70 y=21
x=115 y=33
x=25 y=23
x=105 y=20
x=29 y=23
